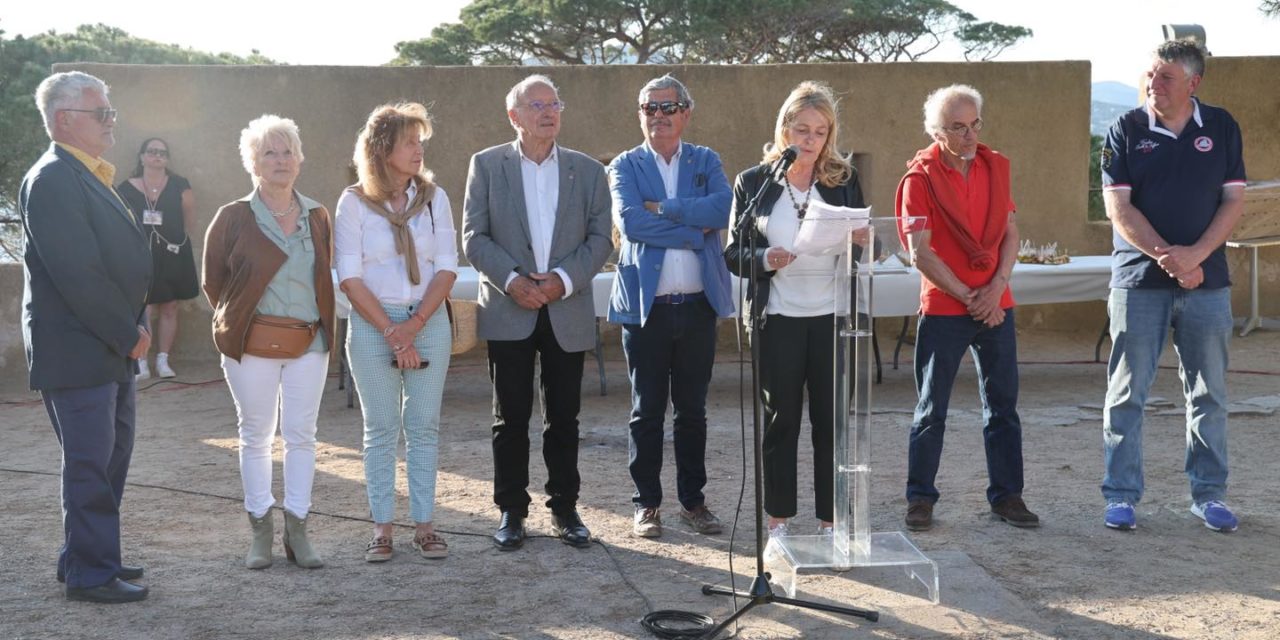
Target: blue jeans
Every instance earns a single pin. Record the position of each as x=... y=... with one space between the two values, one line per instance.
x=940 y=345
x=1140 y=322
x=670 y=357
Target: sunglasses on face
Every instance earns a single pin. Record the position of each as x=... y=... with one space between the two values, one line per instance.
x=101 y=114
x=667 y=108
x=158 y=153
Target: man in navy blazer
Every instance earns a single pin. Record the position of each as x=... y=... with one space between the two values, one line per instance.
x=87 y=269
x=670 y=201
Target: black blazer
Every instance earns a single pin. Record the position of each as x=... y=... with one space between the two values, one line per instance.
x=87 y=269
x=736 y=254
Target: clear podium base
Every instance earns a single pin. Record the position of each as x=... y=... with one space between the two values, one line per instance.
x=786 y=556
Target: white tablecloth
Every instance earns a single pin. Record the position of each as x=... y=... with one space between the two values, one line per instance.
x=1083 y=279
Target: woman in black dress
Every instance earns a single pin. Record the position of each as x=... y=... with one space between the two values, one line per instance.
x=167 y=207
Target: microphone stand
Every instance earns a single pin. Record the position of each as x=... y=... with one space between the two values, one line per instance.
x=760 y=591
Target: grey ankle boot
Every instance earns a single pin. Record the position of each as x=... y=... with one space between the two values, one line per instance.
x=264 y=531
x=296 y=546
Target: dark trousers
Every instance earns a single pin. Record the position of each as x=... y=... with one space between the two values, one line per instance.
x=670 y=357
x=94 y=426
x=797 y=354
x=511 y=365
x=940 y=345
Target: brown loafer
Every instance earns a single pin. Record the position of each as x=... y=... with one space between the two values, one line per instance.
x=919 y=515
x=1014 y=511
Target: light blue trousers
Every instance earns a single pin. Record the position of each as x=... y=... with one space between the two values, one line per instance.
x=1141 y=319
x=395 y=400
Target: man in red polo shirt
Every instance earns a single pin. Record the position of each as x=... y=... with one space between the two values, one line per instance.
x=965 y=249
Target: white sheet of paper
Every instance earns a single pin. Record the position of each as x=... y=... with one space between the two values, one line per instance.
x=825 y=228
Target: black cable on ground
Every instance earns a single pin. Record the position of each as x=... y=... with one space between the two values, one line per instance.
x=671 y=624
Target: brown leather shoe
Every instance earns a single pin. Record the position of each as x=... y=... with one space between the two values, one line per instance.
x=919 y=515
x=701 y=520
x=1014 y=511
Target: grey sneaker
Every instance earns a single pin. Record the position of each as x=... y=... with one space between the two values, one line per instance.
x=648 y=523
x=701 y=519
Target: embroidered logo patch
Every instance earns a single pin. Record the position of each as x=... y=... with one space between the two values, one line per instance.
x=1147 y=145
x=1203 y=144
x=1106 y=156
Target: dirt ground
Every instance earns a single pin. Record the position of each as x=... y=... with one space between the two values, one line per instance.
x=1072 y=578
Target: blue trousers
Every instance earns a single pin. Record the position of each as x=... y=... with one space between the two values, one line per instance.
x=941 y=342
x=95 y=427
x=1140 y=323
x=670 y=358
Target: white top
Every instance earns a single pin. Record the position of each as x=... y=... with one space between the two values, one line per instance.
x=365 y=247
x=681 y=271
x=541 y=197
x=806 y=287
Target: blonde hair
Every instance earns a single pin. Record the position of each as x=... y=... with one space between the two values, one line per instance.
x=386 y=127
x=831 y=169
x=256 y=133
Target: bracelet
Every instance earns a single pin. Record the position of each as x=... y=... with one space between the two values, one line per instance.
x=386 y=333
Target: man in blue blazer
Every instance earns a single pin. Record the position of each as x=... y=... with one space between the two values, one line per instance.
x=86 y=268
x=670 y=201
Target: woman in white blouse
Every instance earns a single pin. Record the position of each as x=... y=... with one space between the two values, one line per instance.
x=397 y=258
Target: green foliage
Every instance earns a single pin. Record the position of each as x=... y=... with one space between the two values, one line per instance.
x=1097 y=211
x=24 y=62
x=704 y=31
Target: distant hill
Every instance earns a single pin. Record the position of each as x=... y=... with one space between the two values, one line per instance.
x=1115 y=93
x=1110 y=99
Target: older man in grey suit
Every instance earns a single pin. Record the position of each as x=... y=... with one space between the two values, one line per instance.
x=536 y=227
x=86 y=268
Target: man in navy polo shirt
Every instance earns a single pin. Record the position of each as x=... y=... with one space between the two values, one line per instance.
x=1173 y=182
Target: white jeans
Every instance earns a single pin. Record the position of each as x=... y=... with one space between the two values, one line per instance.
x=264 y=389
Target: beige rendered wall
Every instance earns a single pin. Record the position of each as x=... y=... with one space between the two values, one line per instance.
x=1038 y=114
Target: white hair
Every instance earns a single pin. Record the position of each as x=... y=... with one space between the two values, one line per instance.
x=61 y=91
x=935 y=106
x=259 y=129
x=518 y=91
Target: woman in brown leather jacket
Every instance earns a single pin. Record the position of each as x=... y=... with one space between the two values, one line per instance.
x=266 y=274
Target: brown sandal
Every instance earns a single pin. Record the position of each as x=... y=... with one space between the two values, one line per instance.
x=431 y=546
x=379 y=549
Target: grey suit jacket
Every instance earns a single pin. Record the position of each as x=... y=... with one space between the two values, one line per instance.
x=496 y=240
x=87 y=269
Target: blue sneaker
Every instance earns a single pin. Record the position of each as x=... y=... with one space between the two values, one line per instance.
x=1216 y=516
x=1120 y=516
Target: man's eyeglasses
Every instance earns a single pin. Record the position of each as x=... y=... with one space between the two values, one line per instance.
x=962 y=130
x=101 y=114
x=667 y=108
x=159 y=153
x=554 y=106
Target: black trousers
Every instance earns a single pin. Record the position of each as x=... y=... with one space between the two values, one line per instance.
x=511 y=368
x=797 y=354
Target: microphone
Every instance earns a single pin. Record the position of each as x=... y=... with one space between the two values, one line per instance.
x=785 y=161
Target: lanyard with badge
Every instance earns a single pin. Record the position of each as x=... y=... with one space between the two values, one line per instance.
x=154 y=217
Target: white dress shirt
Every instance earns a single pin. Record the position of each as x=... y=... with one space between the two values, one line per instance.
x=541 y=197
x=365 y=247
x=681 y=271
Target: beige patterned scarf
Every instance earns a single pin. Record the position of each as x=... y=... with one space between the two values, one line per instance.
x=400 y=222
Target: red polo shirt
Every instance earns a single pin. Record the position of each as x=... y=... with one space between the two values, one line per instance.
x=975 y=191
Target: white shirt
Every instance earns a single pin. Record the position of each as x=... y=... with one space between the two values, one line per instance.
x=365 y=247
x=806 y=287
x=541 y=197
x=681 y=271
